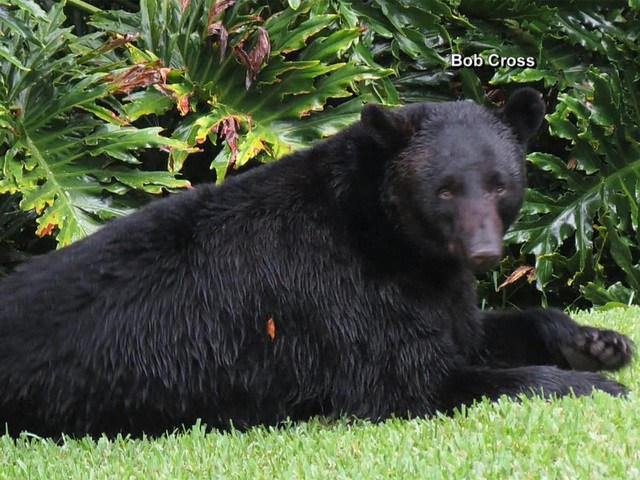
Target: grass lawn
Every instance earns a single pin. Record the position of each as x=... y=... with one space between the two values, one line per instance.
x=596 y=437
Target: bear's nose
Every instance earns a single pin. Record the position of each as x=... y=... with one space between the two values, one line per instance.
x=480 y=232
x=484 y=260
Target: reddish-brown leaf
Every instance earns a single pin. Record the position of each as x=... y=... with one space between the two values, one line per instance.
x=217 y=8
x=239 y=52
x=140 y=75
x=47 y=230
x=572 y=163
x=228 y=130
x=518 y=273
x=271 y=329
x=497 y=96
x=118 y=41
x=224 y=36
x=255 y=58
x=164 y=71
x=183 y=105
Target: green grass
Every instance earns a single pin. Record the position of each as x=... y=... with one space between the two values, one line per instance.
x=595 y=437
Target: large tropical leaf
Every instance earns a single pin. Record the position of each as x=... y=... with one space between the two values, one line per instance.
x=414 y=38
x=63 y=149
x=256 y=77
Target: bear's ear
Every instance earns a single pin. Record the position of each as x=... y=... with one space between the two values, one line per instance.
x=524 y=111
x=396 y=123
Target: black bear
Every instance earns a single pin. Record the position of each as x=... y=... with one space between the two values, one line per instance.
x=337 y=281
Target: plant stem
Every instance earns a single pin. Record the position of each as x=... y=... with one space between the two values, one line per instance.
x=84 y=6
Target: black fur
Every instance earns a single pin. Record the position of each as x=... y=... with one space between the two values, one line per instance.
x=335 y=281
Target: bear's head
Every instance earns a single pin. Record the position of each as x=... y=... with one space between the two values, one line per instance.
x=457 y=179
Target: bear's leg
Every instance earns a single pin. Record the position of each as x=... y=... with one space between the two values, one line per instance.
x=549 y=337
x=474 y=383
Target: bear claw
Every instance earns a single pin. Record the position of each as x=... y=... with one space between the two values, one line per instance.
x=594 y=349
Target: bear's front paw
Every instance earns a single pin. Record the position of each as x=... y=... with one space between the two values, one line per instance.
x=593 y=349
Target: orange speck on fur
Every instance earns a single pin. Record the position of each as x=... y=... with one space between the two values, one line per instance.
x=271 y=329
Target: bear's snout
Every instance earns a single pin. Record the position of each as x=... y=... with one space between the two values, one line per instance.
x=479 y=232
x=485 y=260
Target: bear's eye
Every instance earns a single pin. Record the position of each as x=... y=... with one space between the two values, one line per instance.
x=500 y=189
x=445 y=193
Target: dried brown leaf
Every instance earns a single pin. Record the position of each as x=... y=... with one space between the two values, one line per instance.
x=254 y=59
x=224 y=36
x=183 y=104
x=118 y=41
x=140 y=75
x=497 y=96
x=517 y=274
x=228 y=131
x=217 y=8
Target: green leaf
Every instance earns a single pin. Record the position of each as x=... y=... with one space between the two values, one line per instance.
x=606 y=102
x=7 y=55
x=147 y=102
x=616 y=294
x=67 y=153
x=285 y=40
x=471 y=85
